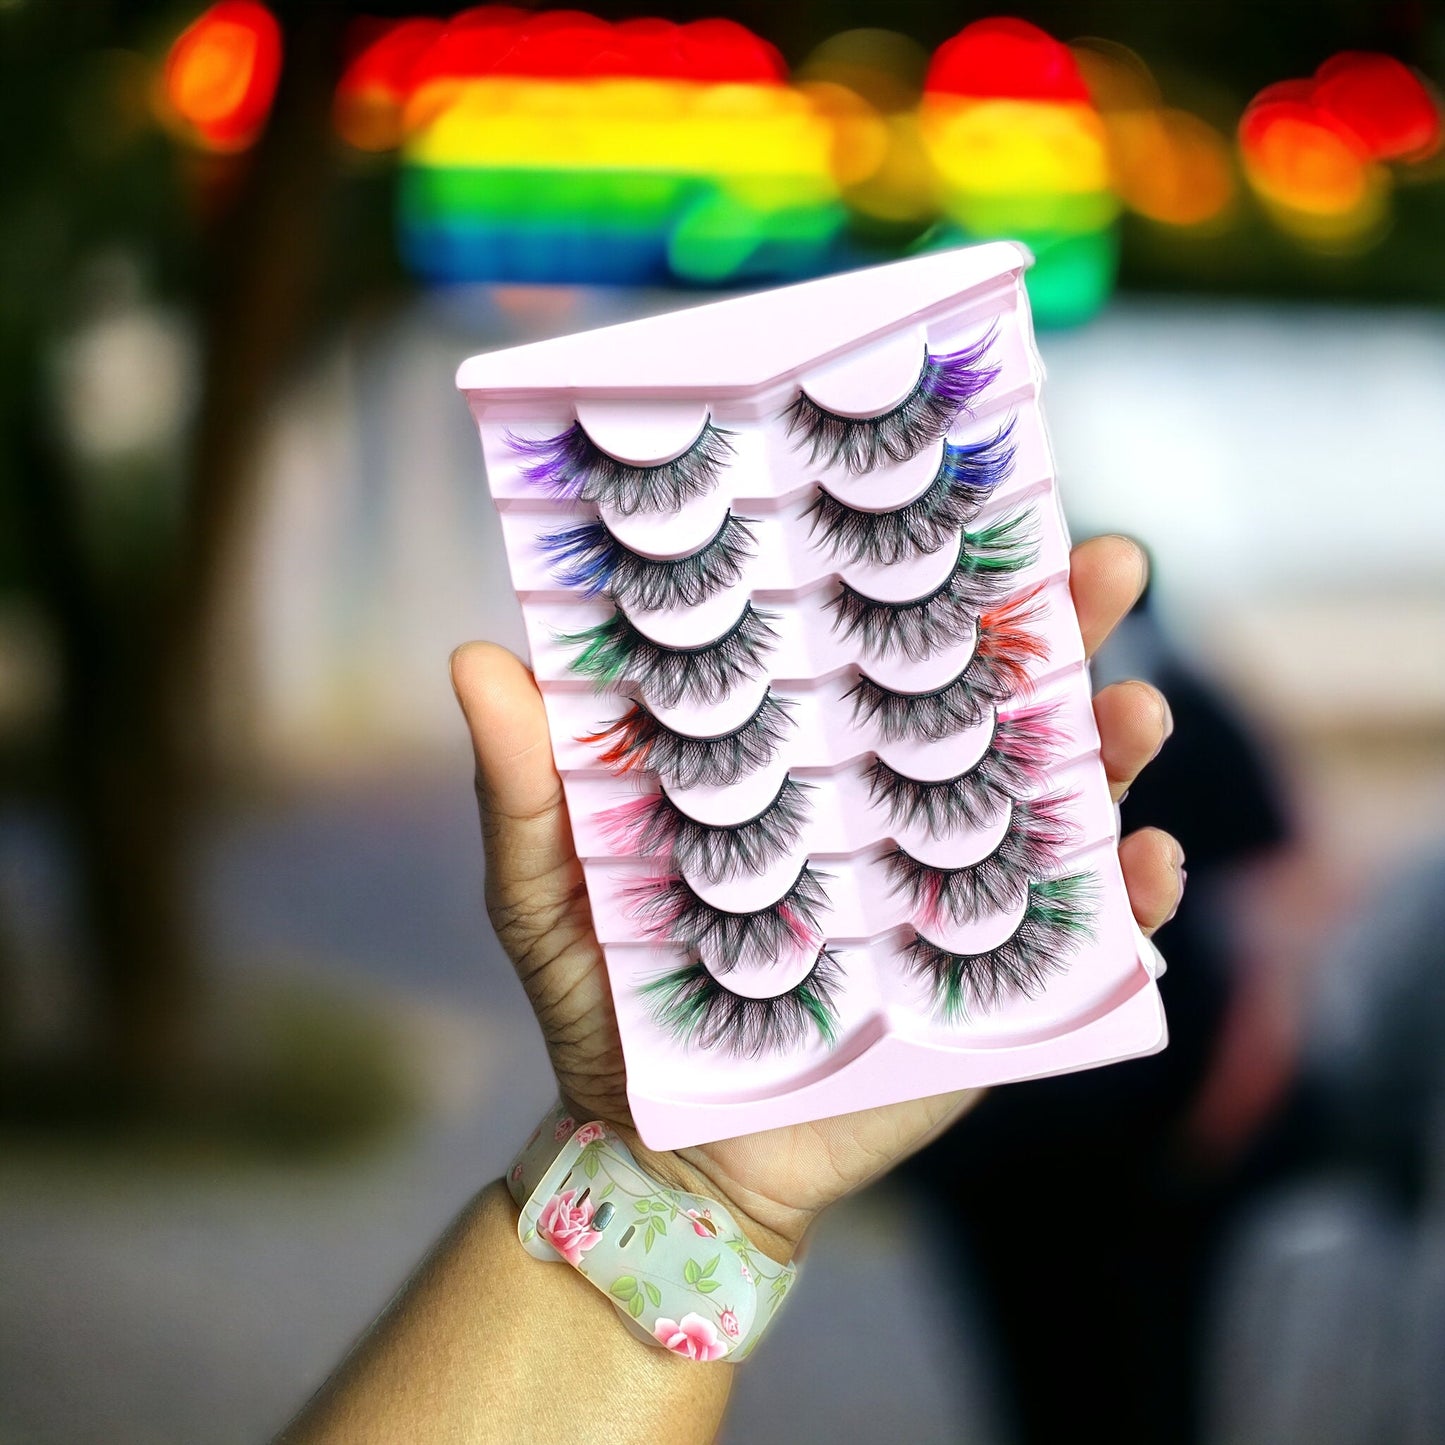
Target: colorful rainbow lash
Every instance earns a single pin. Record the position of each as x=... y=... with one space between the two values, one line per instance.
x=589 y=558
x=617 y=650
x=654 y=826
x=1057 y=920
x=1014 y=762
x=1032 y=844
x=694 y=1008
x=638 y=739
x=984 y=570
x=964 y=481
x=945 y=387
x=572 y=467
x=997 y=671
x=671 y=910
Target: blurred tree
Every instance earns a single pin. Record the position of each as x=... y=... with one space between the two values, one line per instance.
x=123 y=548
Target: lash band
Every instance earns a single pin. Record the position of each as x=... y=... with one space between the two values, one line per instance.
x=788 y=780
x=694 y=649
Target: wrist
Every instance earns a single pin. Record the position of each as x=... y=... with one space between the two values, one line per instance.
x=654 y=1232
x=775 y=1229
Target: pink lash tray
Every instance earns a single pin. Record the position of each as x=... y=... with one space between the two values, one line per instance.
x=817 y=694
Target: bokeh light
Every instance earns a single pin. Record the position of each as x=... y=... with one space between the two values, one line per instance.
x=1166 y=164
x=1316 y=151
x=868 y=83
x=221 y=75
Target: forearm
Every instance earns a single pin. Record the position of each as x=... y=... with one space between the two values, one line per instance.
x=486 y=1343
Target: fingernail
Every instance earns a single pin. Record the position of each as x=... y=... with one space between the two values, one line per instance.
x=1123 y=797
x=1168 y=717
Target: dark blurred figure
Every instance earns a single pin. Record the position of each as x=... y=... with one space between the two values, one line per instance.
x=1089 y=1204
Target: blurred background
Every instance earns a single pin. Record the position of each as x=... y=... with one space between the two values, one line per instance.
x=257 y=1044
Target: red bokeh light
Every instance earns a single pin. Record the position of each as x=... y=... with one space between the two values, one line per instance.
x=1382 y=102
x=221 y=74
x=1008 y=59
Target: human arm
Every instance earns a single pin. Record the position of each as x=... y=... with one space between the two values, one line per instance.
x=488 y=1344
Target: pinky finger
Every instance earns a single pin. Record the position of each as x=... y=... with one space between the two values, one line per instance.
x=1153 y=865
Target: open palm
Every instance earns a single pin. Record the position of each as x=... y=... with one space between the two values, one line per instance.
x=775 y=1182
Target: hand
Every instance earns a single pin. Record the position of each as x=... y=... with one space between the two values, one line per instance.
x=775 y=1183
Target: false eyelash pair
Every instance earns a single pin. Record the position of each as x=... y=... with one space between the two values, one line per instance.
x=617 y=650
x=570 y=466
x=695 y=1008
x=965 y=479
x=997 y=671
x=670 y=910
x=654 y=826
x=1034 y=839
x=640 y=740
x=1020 y=748
x=588 y=558
x=946 y=386
x=1057 y=920
x=983 y=571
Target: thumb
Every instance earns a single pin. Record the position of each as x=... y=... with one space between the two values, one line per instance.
x=532 y=870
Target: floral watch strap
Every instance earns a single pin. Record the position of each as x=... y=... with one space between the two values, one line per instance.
x=676 y=1266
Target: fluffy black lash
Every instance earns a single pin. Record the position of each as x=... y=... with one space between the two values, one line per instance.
x=965 y=479
x=997 y=670
x=1036 y=836
x=987 y=565
x=589 y=558
x=654 y=826
x=573 y=467
x=672 y=911
x=1013 y=763
x=638 y=739
x=616 y=651
x=1057 y=919
x=945 y=386
x=693 y=1007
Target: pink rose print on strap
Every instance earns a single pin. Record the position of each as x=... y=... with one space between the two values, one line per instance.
x=567 y=1226
x=564 y=1127
x=692 y=1337
x=587 y=1134
x=702 y=1223
x=729 y=1322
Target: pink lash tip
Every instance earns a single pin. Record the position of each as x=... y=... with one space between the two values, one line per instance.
x=648 y=899
x=624 y=825
x=801 y=932
x=931 y=907
x=1032 y=738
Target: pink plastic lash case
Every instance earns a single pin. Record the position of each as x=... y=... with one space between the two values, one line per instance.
x=794 y=576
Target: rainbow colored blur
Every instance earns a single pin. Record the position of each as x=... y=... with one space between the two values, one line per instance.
x=555 y=146
x=558 y=146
